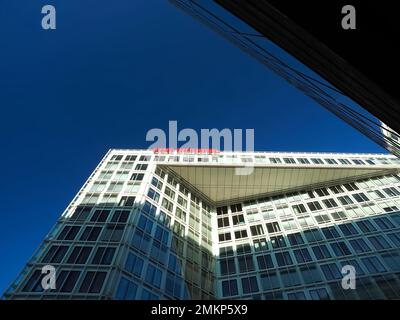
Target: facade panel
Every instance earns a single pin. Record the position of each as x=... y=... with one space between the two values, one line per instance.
x=142 y=229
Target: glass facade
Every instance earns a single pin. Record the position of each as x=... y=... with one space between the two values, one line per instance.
x=138 y=230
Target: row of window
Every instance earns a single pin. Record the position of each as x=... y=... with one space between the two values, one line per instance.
x=365 y=225
x=245 y=263
x=67 y=280
x=306 y=275
x=79 y=255
x=259 y=159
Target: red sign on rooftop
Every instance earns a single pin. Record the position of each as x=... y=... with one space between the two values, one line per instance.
x=186 y=150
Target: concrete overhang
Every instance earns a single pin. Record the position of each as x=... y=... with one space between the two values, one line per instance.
x=222 y=184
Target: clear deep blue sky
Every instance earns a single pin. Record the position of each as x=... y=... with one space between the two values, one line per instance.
x=110 y=72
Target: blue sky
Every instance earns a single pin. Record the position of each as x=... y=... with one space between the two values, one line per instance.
x=110 y=72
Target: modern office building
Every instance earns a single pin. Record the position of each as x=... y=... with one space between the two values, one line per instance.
x=199 y=224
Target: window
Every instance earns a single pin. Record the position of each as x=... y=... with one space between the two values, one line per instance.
x=265 y=262
x=226 y=252
x=180 y=214
x=391 y=192
x=66 y=281
x=90 y=234
x=137 y=176
x=339 y=216
x=360 y=197
x=278 y=242
x=269 y=281
x=322 y=192
x=81 y=213
x=306 y=222
x=93 y=282
x=34 y=282
x=227 y=266
x=330 y=233
x=141 y=241
x=223 y=222
x=120 y=216
x=392 y=260
x=239 y=234
x=379 y=242
x=257 y=230
x=164 y=219
x=350 y=186
x=313 y=235
x=384 y=223
x=90 y=198
x=161 y=235
x=238 y=219
x=295 y=239
x=115 y=187
x=112 y=233
x=331 y=271
x=344 y=161
x=229 y=288
x=222 y=210
x=395 y=238
x=141 y=167
x=299 y=209
x=275 y=160
x=353 y=263
x=168 y=205
x=100 y=215
x=261 y=245
x=310 y=274
x=321 y=252
x=245 y=263
x=336 y=189
x=373 y=265
x=104 y=256
x=303 y=161
x=359 y=245
x=273 y=227
x=169 y=192
x=319 y=294
x=130 y=158
x=153 y=276
x=236 y=208
x=340 y=249
x=330 y=203
x=366 y=226
x=249 y=285
x=152 y=194
x=127 y=201
x=302 y=255
x=290 y=278
x=149 y=209
x=243 y=248
x=317 y=161
x=289 y=160
x=145 y=224
x=314 y=206
x=147 y=295
x=296 y=296
x=68 y=233
x=126 y=290
x=225 y=236
x=322 y=218
x=348 y=229
x=116 y=157
x=289 y=225
x=55 y=254
x=79 y=255
x=283 y=259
